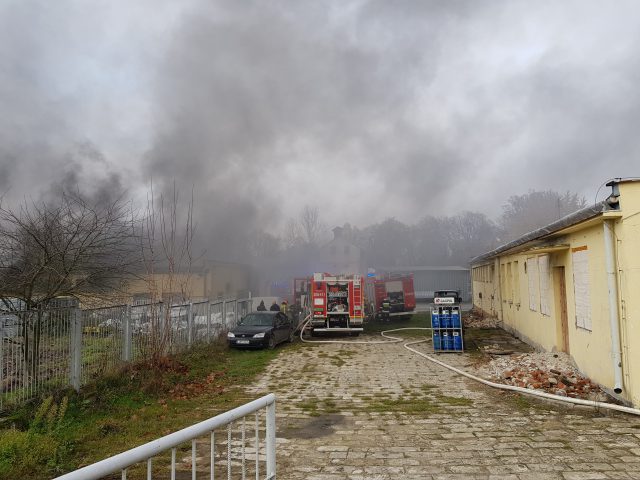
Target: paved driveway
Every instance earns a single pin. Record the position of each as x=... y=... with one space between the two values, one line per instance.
x=381 y=412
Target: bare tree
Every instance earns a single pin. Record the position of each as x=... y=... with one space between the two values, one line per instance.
x=310 y=224
x=535 y=209
x=166 y=242
x=70 y=248
x=292 y=236
x=264 y=245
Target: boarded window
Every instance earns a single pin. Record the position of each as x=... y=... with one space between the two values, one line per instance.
x=580 y=257
x=543 y=268
x=532 y=275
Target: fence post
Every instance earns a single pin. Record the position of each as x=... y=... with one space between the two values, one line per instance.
x=235 y=312
x=126 y=335
x=271 y=440
x=190 y=324
x=75 y=362
x=208 y=321
x=2 y=334
x=224 y=314
x=161 y=325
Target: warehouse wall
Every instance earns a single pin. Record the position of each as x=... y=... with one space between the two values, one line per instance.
x=425 y=282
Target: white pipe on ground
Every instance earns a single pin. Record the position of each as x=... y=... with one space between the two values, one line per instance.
x=614 y=321
x=525 y=391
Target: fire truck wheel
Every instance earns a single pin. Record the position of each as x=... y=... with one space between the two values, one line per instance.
x=272 y=343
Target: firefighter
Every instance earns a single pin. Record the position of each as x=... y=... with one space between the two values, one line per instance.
x=262 y=307
x=274 y=307
x=283 y=307
x=386 y=308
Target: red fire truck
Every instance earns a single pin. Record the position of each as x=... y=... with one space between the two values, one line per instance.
x=394 y=296
x=337 y=303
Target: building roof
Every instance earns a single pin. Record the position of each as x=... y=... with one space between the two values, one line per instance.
x=422 y=269
x=560 y=224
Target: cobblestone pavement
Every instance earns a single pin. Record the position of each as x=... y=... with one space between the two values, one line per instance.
x=382 y=412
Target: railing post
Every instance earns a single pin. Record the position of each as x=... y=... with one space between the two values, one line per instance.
x=126 y=334
x=75 y=351
x=190 y=324
x=271 y=440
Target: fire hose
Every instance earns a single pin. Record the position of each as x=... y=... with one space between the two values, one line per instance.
x=525 y=391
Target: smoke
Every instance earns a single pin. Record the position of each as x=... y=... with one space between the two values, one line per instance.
x=363 y=109
x=267 y=106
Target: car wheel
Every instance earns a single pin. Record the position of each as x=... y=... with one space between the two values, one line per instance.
x=272 y=343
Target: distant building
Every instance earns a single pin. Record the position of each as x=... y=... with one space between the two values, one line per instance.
x=427 y=279
x=208 y=280
x=572 y=286
x=340 y=255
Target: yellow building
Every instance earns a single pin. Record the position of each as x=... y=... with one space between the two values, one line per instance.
x=574 y=286
x=209 y=280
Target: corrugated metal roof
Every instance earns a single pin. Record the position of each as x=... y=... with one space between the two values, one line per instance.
x=560 y=224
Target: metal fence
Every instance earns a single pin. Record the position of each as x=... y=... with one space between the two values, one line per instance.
x=246 y=448
x=41 y=350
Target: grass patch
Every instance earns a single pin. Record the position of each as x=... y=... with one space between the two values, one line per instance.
x=455 y=401
x=417 y=320
x=523 y=402
x=126 y=409
x=411 y=406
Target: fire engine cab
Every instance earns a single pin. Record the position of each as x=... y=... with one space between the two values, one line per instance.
x=337 y=303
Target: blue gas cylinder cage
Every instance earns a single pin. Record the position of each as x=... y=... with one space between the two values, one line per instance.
x=446 y=324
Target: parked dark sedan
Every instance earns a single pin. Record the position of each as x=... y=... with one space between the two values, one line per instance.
x=261 y=329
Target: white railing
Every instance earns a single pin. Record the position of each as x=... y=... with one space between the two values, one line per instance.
x=221 y=458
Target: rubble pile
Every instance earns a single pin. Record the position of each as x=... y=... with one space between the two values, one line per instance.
x=476 y=319
x=549 y=372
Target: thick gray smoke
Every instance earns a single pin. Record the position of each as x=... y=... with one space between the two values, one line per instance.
x=265 y=104
x=364 y=109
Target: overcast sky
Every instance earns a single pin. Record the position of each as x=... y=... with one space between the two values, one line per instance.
x=366 y=109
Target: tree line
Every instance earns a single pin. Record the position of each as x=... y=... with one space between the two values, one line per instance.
x=432 y=240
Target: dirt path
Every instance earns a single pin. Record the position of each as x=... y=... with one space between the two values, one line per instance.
x=381 y=412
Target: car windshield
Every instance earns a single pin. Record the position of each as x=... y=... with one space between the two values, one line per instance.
x=446 y=293
x=254 y=320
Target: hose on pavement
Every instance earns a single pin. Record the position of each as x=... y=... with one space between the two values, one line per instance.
x=525 y=391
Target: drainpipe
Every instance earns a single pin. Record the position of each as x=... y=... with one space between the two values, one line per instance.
x=614 y=320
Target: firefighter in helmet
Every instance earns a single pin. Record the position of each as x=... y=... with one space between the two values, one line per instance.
x=386 y=309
